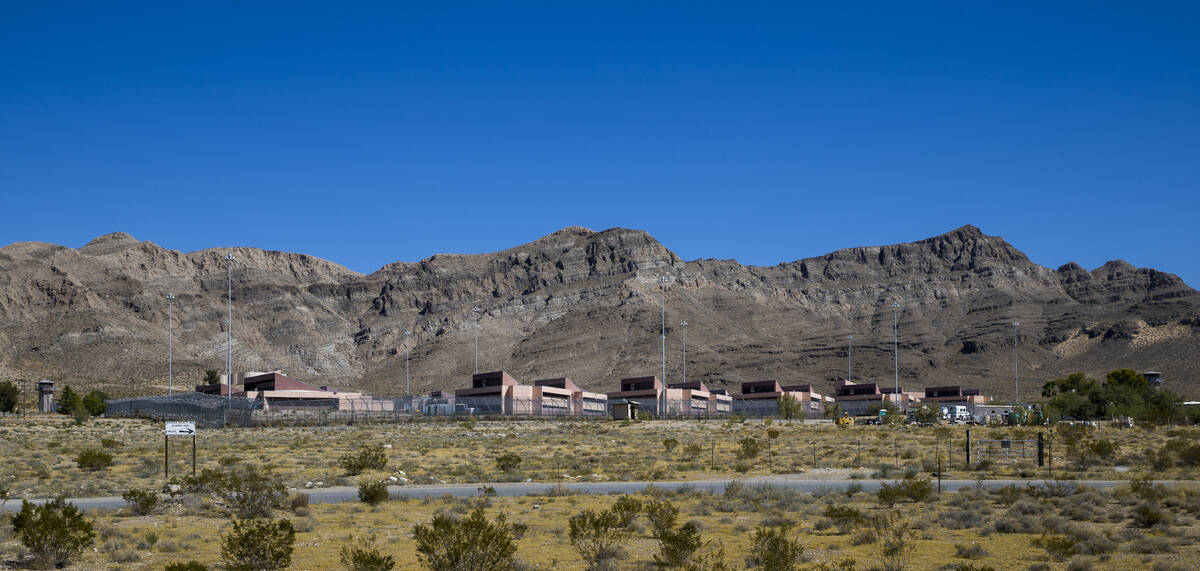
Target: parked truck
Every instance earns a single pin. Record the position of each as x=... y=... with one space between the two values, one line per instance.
x=956 y=414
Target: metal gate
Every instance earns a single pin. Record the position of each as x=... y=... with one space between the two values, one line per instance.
x=1006 y=451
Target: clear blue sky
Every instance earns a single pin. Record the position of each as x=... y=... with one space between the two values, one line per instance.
x=375 y=133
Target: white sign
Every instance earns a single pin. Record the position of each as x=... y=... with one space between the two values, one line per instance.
x=181 y=428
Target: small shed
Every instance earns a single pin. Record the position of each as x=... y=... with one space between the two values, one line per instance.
x=624 y=410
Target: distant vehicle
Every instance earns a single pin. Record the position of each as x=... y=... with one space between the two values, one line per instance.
x=956 y=414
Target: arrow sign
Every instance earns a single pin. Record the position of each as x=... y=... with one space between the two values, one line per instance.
x=180 y=428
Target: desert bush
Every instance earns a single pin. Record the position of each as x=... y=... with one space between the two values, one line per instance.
x=895 y=541
x=192 y=565
x=960 y=518
x=1148 y=515
x=55 y=532
x=1103 y=448
x=361 y=555
x=94 y=460
x=448 y=543
x=508 y=462
x=669 y=445
x=1152 y=544
x=372 y=492
x=1058 y=547
x=365 y=457
x=775 y=550
x=298 y=502
x=749 y=448
x=845 y=518
x=141 y=502
x=249 y=491
x=253 y=545
x=970 y=551
x=111 y=443
x=599 y=537
x=911 y=489
x=627 y=508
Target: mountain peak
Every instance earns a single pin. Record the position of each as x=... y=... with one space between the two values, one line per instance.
x=109 y=243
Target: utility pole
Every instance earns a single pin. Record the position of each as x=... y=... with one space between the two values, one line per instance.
x=229 y=258
x=662 y=287
x=407 y=392
x=1016 y=376
x=896 y=348
x=683 y=329
x=850 y=358
x=477 y=311
x=170 y=344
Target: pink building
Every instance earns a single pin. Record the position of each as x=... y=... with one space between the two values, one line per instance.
x=761 y=398
x=497 y=392
x=277 y=391
x=856 y=398
x=680 y=399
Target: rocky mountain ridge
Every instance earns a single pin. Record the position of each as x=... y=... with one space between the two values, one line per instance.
x=587 y=305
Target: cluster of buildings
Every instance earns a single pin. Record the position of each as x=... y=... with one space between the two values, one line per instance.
x=498 y=393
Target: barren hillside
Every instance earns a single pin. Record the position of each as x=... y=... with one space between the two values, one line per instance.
x=587 y=305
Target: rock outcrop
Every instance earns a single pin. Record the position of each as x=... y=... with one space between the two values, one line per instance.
x=588 y=305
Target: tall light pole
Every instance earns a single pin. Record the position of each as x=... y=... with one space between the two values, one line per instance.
x=896 y=346
x=849 y=358
x=407 y=392
x=229 y=258
x=477 y=311
x=1016 y=377
x=662 y=287
x=683 y=328
x=170 y=344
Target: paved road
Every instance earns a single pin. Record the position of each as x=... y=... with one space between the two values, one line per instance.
x=350 y=494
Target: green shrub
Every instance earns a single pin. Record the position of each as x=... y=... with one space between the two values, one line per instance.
x=773 y=549
x=449 y=543
x=508 y=462
x=365 y=457
x=970 y=551
x=55 y=532
x=258 y=544
x=599 y=537
x=94 y=460
x=94 y=403
x=749 y=448
x=111 y=443
x=361 y=555
x=141 y=502
x=845 y=518
x=10 y=395
x=1059 y=547
x=192 y=565
x=249 y=491
x=912 y=490
x=69 y=401
x=372 y=492
x=1148 y=515
x=627 y=508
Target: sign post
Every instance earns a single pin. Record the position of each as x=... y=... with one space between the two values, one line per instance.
x=178 y=428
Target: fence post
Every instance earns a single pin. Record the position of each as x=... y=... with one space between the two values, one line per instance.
x=968 y=463
x=1041 y=451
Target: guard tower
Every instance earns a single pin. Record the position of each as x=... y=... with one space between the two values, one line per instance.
x=45 y=391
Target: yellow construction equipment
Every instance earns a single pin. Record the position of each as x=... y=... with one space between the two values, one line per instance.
x=845 y=420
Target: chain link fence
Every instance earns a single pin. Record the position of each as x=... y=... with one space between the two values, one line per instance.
x=218 y=411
